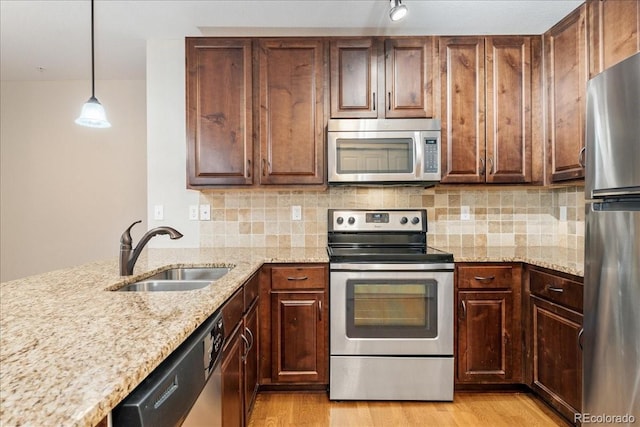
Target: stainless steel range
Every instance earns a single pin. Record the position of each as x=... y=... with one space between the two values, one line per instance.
x=391 y=305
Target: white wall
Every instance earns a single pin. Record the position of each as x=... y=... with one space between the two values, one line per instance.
x=166 y=142
x=68 y=192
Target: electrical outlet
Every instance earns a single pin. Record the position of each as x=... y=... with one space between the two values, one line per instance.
x=296 y=213
x=205 y=212
x=158 y=212
x=465 y=213
x=193 y=212
x=563 y=213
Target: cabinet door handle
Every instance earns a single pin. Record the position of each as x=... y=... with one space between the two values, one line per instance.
x=320 y=311
x=484 y=279
x=374 y=101
x=483 y=167
x=389 y=101
x=464 y=309
x=297 y=278
x=554 y=289
x=248 y=331
x=246 y=347
x=248 y=168
x=581 y=157
x=490 y=165
x=580 y=338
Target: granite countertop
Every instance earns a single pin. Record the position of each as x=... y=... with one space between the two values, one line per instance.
x=569 y=261
x=71 y=350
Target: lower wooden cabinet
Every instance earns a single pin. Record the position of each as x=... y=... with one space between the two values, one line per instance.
x=489 y=330
x=555 y=327
x=294 y=326
x=240 y=354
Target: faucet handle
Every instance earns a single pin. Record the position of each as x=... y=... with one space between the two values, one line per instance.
x=125 y=239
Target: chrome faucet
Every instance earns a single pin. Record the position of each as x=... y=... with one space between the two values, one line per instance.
x=128 y=257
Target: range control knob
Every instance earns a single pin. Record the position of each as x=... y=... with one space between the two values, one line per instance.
x=403 y=220
x=340 y=220
x=415 y=220
x=351 y=220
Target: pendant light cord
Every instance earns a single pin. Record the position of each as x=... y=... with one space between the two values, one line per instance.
x=93 y=61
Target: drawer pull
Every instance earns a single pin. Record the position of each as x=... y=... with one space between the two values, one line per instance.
x=298 y=278
x=485 y=279
x=551 y=288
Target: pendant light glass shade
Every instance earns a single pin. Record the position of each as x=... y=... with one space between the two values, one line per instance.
x=93 y=114
x=398 y=10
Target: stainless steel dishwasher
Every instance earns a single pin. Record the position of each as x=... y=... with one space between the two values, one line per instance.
x=185 y=390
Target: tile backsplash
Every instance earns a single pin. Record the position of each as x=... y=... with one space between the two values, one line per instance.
x=499 y=216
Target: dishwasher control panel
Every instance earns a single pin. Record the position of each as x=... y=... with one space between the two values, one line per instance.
x=213 y=346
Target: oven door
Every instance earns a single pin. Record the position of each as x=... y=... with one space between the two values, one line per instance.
x=389 y=309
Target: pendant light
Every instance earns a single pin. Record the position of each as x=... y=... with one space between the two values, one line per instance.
x=398 y=10
x=93 y=114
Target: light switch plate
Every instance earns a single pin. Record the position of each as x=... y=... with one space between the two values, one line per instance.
x=205 y=212
x=158 y=212
x=296 y=213
x=193 y=212
x=465 y=213
x=563 y=213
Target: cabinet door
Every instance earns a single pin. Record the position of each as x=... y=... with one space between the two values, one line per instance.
x=232 y=399
x=566 y=73
x=409 y=74
x=485 y=338
x=463 y=104
x=298 y=337
x=614 y=32
x=219 y=111
x=354 y=78
x=250 y=359
x=557 y=357
x=508 y=105
x=291 y=133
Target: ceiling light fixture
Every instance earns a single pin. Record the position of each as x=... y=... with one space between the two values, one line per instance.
x=398 y=10
x=93 y=114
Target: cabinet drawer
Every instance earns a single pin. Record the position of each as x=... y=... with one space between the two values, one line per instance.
x=250 y=291
x=307 y=277
x=232 y=312
x=556 y=289
x=485 y=276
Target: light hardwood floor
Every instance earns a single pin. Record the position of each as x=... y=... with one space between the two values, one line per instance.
x=468 y=409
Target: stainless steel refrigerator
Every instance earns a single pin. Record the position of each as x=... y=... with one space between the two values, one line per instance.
x=611 y=340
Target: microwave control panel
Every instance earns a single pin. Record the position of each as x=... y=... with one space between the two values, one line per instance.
x=431 y=155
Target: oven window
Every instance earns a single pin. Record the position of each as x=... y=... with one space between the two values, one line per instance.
x=392 y=309
x=375 y=155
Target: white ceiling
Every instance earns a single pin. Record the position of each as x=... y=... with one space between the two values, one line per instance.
x=50 y=39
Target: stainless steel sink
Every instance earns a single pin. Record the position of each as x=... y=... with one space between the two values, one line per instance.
x=191 y=273
x=165 y=285
x=178 y=279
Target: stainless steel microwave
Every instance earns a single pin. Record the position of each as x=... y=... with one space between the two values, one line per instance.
x=383 y=151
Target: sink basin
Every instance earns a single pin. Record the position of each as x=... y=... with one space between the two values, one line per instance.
x=178 y=279
x=191 y=273
x=165 y=285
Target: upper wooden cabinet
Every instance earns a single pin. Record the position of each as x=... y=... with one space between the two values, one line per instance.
x=291 y=114
x=219 y=111
x=486 y=109
x=382 y=78
x=566 y=79
x=613 y=28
